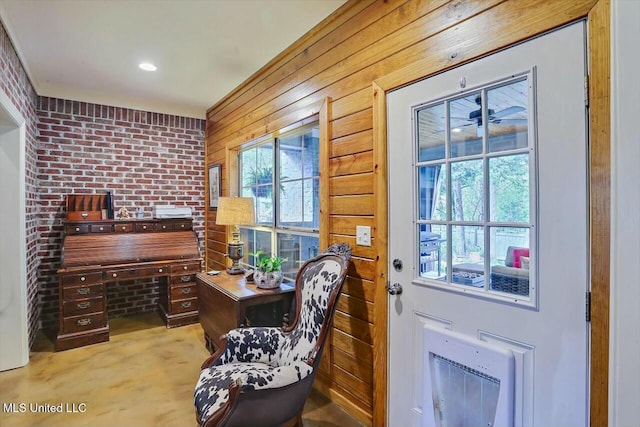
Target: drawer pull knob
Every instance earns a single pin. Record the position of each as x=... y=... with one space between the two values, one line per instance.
x=124 y=228
x=182 y=225
x=186 y=304
x=83 y=291
x=115 y=274
x=186 y=291
x=77 y=228
x=159 y=270
x=84 y=214
x=185 y=279
x=101 y=228
x=82 y=279
x=83 y=305
x=144 y=227
x=83 y=322
x=164 y=226
x=185 y=267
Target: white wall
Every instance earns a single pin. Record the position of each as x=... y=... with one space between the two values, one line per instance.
x=624 y=368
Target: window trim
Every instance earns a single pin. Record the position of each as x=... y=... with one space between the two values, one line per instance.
x=485 y=292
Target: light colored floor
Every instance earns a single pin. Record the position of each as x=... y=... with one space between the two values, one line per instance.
x=144 y=376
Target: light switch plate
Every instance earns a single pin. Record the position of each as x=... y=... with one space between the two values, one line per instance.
x=363 y=235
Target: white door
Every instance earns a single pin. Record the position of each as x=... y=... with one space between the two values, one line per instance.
x=488 y=232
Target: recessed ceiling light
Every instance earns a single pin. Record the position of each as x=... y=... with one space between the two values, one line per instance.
x=147 y=66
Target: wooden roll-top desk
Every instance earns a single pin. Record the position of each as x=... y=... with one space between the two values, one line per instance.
x=99 y=253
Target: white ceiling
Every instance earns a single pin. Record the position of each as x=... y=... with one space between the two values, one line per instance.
x=89 y=50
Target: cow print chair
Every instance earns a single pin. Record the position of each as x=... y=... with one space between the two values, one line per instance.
x=261 y=376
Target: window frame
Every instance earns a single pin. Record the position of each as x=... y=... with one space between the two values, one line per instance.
x=275 y=229
x=447 y=160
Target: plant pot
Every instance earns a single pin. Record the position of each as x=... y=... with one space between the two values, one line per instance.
x=269 y=280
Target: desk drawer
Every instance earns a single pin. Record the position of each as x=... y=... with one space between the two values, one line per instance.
x=100 y=228
x=82 y=279
x=183 y=279
x=137 y=273
x=77 y=229
x=186 y=268
x=73 y=293
x=75 y=308
x=144 y=227
x=126 y=227
x=183 y=291
x=184 y=305
x=84 y=323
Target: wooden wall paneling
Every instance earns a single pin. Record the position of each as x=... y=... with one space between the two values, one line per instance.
x=351 y=163
x=353 y=326
x=352 y=144
x=351 y=205
x=505 y=24
x=292 y=114
x=360 y=288
x=354 y=386
x=340 y=224
x=351 y=184
x=600 y=205
x=357 y=251
x=356 y=307
x=353 y=103
x=353 y=123
x=357 y=366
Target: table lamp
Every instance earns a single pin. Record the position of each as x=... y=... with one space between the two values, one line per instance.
x=235 y=211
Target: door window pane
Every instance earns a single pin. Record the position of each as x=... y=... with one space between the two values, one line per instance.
x=511 y=260
x=467 y=191
x=433 y=254
x=433 y=197
x=430 y=133
x=509 y=188
x=466 y=127
x=508 y=126
x=467 y=255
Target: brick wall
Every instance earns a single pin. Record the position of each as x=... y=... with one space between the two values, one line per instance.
x=16 y=85
x=143 y=158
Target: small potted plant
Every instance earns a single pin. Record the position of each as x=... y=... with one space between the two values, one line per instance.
x=268 y=274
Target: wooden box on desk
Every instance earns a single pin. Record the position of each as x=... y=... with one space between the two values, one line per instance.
x=85 y=206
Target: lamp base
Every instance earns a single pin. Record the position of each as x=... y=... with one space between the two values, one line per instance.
x=235 y=270
x=236 y=252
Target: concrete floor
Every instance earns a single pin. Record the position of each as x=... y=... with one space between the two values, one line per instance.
x=144 y=376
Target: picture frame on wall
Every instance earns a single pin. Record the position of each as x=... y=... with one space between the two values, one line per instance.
x=215 y=181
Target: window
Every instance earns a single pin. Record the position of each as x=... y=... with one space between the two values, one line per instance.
x=474 y=166
x=287 y=219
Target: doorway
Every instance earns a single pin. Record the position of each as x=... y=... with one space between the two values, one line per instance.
x=492 y=248
x=14 y=334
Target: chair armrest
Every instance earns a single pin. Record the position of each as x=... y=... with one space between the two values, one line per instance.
x=257 y=344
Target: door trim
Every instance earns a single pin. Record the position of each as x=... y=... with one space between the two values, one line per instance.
x=501 y=36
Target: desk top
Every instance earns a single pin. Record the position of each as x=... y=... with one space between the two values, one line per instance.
x=237 y=288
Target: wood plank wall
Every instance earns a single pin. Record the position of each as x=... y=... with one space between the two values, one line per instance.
x=335 y=63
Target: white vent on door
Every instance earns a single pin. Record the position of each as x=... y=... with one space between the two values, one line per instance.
x=467 y=382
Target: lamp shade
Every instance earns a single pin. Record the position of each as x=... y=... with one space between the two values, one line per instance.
x=235 y=211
